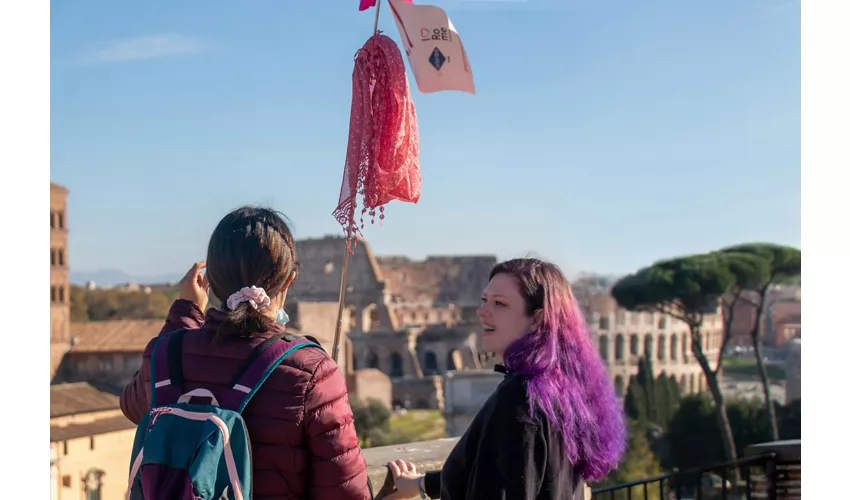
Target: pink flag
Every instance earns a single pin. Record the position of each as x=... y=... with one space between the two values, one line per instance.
x=433 y=48
x=367 y=4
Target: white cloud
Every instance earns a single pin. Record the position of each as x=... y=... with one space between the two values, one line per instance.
x=147 y=47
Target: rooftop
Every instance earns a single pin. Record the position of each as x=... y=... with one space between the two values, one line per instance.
x=114 y=336
x=86 y=429
x=79 y=397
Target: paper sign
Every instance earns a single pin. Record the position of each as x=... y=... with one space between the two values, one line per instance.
x=433 y=48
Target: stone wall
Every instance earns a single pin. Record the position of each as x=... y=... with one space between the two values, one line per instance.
x=392 y=352
x=465 y=393
x=112 y=370
x=432 y=350
x=425 y=455
x=418 y=393
x=320 y=269
x=441 y=349
x=320 y=265
x=369 y=384
x=57 y=354
x=107 y=454
x=318 y=319
x=412 y=315
x=441 y=280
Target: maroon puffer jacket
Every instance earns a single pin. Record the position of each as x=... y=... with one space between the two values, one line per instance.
x=300 y=423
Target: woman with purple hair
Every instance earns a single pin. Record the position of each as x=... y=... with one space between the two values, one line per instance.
x=553 y=423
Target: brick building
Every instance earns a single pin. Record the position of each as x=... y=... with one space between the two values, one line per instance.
x=90 y=443
x=60 y=304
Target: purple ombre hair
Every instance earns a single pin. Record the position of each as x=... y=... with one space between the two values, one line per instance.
x=566 y=379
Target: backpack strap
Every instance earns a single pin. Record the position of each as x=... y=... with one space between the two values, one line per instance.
x=167 y=369
x=258 y=367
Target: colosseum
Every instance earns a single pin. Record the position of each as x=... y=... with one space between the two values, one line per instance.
x=623 y=337
x=414 y=320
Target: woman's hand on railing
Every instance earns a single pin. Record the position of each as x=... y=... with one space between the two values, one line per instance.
x=408 y=483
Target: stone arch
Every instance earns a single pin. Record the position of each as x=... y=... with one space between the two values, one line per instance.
x=662 y=347
x=647 y=346
x=603 y=347
x=454 y=360
x=396 y=365
x=634 y=345
x=619 y=385
x=430 y=367
x=674 y=347
x=372 y=360
x=370 y=318
x=685 y=347
x=619 y=346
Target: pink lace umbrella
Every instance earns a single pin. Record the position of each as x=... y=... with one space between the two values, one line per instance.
x=382 y=161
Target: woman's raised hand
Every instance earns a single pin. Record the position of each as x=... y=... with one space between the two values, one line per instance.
x=194 y=286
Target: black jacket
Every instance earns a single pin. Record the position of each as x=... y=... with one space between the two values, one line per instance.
x=506 y=454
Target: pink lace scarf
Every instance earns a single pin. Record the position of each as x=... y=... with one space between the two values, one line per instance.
x=382 y=162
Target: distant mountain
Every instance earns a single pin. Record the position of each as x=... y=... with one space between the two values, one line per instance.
x=112 y=277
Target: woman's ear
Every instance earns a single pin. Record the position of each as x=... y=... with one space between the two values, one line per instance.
x=281 y=297
x=289 y=280
x=537 y=319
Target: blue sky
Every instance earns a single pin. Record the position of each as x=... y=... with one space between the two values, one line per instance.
x=604 y=134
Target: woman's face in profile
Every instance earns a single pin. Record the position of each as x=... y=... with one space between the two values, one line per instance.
x=502 y=314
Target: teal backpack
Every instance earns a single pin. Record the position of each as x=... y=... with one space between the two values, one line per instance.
x=199 y=451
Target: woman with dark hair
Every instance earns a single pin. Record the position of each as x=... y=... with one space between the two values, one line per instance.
x=553 y=423
x=300 y=424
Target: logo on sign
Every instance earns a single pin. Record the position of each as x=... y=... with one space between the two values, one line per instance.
x=437 y=59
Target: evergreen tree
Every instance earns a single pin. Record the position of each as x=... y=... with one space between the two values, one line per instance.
x=651 y=400
x=663 y=400
x=639 y=463
x=635 y=401
x=646 y=379
x=675 y=392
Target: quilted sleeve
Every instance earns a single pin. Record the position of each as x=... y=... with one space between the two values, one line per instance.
x=337 y=470
x=136 y=396
x=182 y=314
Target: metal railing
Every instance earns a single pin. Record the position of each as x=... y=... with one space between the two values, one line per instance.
x=756 y=477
